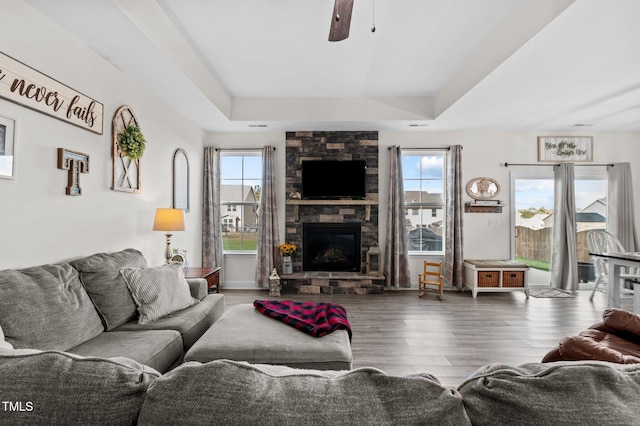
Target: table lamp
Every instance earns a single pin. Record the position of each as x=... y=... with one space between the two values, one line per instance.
x=168 y=220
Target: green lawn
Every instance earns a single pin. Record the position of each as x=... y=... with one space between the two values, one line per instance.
x=235 y=244
x=536 y=264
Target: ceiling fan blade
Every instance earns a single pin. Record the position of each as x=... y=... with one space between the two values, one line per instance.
x=340 y=20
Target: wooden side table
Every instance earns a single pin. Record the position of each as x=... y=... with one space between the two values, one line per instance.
x=212 y=275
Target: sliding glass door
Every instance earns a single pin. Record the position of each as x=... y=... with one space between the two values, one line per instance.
x=532 y=217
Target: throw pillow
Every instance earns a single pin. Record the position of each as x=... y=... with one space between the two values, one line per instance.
x=3 y=343
x=46 y=307
x=158 y=291
x=100 y=275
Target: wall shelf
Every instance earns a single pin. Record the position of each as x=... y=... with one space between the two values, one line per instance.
x=366 y=203
x=483 y=208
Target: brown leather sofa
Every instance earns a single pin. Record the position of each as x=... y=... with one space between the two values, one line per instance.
x=615 y=339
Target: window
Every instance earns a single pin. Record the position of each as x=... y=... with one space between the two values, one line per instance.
x=424 y=199
x=240 y=179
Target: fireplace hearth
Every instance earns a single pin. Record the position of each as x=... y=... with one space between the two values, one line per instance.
x=332 y=247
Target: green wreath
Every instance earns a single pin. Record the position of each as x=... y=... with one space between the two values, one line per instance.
x=132 y=142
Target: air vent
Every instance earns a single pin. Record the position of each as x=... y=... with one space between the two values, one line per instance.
x=258 y=125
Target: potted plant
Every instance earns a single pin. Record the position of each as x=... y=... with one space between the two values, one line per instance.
x=286 y=251
x=132 y=142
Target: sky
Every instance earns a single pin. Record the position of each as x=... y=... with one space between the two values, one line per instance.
x=535 y=193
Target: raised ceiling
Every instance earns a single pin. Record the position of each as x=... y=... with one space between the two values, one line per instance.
x=240 y=65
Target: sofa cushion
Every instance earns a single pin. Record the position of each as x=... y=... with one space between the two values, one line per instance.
x=596 y=345
x=100 y=275
x=158 y=291
x=46 y=307
x=574 y=392
x=623 y=322
x=159 y=349
x=269 y=341
x=191 y=322
x=276 y=395
x=63 y=389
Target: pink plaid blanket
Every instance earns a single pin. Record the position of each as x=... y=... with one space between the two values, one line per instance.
x=314 y=318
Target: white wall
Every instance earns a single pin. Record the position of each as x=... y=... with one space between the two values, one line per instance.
x=38 y=222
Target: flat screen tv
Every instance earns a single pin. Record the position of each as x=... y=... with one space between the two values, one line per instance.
x=326 y=179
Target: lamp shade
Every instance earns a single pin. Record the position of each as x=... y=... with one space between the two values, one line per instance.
x=169 y=220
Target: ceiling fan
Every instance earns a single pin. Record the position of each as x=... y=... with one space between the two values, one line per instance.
x=340 y=20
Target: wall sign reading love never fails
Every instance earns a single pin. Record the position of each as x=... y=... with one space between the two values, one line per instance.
x=32 y=89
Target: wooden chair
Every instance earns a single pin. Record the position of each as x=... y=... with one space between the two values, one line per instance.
x=431 y=279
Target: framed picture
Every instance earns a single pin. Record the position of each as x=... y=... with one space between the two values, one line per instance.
x=7 y=148
x=565 y=148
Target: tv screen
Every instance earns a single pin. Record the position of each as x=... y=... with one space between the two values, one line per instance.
x=334 y=179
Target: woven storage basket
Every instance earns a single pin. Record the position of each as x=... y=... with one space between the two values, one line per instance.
x=512 y=279
x=488 y=278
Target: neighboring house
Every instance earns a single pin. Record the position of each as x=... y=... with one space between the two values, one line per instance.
x=585 y=221
x=535 y=222
x=238 y=216
x=588 y=221
x=599 y=206
x=429 y=216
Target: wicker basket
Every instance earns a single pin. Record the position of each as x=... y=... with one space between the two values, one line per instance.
x=488 y=278
x=512 y=279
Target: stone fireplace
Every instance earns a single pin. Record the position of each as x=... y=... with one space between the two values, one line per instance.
x=323 y=275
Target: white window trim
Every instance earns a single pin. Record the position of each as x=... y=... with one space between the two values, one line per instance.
x=431 y=152
x=249 y=152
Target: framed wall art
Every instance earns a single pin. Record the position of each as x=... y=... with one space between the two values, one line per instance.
x=7 y=148
x=565 y=148
x=39 y=92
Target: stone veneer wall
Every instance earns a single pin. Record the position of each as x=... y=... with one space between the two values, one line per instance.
x=356 y=145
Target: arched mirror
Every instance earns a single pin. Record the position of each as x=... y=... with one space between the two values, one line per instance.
x=483 y=188
x=180 y=180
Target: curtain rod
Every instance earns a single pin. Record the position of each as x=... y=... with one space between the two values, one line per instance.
x=239 y=149
x=448 y=148
x=556 y=164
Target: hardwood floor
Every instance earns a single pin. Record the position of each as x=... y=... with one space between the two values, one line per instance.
x=402 y=334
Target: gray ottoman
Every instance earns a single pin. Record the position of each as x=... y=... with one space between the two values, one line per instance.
x=244 y=334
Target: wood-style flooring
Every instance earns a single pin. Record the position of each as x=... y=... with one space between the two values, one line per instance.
x=402 y=334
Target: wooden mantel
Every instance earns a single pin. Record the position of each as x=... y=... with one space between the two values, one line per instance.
x=366 y=203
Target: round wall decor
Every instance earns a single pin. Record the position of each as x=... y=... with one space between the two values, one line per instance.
x=483 y=188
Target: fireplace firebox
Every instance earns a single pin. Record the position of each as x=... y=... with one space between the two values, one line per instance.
x=331 y=247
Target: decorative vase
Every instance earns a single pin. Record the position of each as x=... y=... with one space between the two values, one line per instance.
x=287 y=265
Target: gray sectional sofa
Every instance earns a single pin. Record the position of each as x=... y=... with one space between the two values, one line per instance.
x=85 y=345
x=86 y=307
x=59 y=388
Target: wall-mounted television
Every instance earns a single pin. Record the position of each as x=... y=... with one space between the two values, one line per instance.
x=334 y=179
